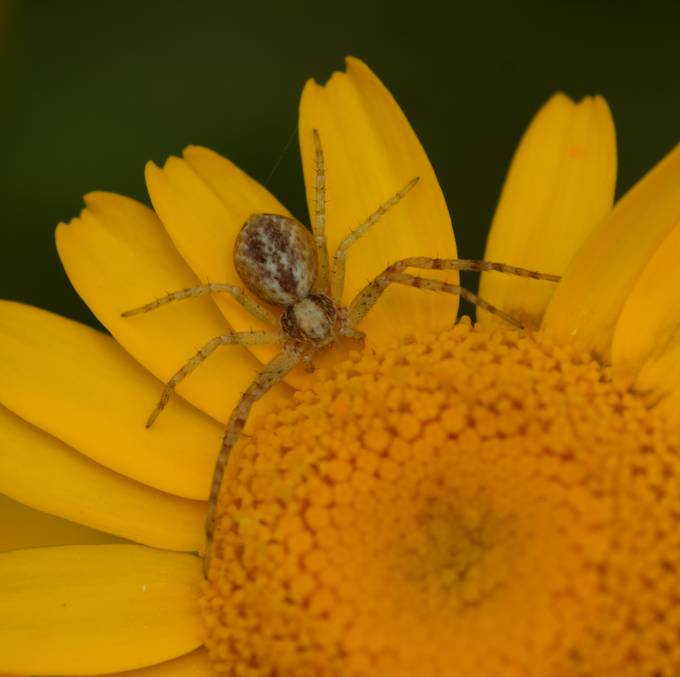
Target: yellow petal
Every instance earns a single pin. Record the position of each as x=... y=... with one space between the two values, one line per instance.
x=80 y=386
x=589 y=300
x=646 y=340
x=371 y=152
x=560 y=186
x=40 y=471
x=195 y=664
x=23 y=527
x=96 y=609
x=203 y=200
x=118 y=256
x=655 y=380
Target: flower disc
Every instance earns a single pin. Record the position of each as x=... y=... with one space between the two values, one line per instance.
x=463 y=504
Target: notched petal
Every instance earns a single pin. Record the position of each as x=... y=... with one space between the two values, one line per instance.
x=559 y=188
x=118 y=257
x=598 y=281
x=371 y=152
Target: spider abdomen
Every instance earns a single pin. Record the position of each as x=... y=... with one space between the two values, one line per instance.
x=275 y=256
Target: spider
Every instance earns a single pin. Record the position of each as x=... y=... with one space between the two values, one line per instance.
x=285 y=265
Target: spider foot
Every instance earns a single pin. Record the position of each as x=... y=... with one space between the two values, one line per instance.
x=353 y=333
x=159 y=408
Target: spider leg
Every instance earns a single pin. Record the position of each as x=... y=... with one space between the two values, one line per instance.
x=319 y=229
x=369 y=295
x=252 y=306
x=272 y=373
x=245 y=338
x=428 y=263
x=339 y=258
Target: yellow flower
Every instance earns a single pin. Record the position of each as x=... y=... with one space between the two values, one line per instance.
x=451 y=501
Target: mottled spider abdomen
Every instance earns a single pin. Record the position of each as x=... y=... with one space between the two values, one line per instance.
x=275 y=256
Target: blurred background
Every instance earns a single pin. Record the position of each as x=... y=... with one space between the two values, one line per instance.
x=90 y=91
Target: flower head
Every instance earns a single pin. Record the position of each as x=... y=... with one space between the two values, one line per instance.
x=450 y=501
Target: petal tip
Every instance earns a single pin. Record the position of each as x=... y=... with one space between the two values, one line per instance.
x=561 y=99
x=98 y=197
x=353 y=67
x=63 y=225
x=151 y=169
x=360 y=70
x=602 y=106
x=195 y=149
x=355 y=63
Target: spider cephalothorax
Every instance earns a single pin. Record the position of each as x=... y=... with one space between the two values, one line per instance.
x=311 y=319
x=284 y=265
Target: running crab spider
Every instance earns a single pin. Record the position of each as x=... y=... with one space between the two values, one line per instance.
x=283 y=264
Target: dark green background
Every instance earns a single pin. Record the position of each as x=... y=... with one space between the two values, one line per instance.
x=91 y=90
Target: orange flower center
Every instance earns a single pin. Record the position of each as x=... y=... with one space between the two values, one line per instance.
x=469 y=503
